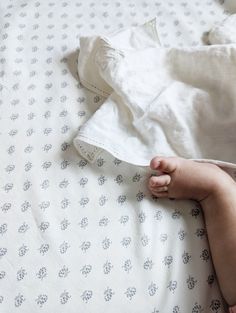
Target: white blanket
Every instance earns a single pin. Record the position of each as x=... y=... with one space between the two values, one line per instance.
x=160 y=101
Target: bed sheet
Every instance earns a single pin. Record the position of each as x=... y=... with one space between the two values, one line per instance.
x=79 y=237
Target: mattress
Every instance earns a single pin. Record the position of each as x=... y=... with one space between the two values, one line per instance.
x=81 y=237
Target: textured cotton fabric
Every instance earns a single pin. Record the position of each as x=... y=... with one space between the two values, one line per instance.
x=165 y=101
x=224 y=32
x=76 y=236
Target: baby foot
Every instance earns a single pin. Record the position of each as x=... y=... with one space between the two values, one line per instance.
x=215 y=190
x=185 y=179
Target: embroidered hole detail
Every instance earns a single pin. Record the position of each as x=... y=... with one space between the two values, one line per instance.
x=85 y=82
x=89 y=155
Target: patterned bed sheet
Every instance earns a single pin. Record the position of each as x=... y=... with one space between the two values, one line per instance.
x=79 y=237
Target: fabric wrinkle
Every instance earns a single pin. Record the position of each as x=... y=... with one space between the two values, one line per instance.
x=173 y=101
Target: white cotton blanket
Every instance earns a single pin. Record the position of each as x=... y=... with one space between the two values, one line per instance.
x=160 y=101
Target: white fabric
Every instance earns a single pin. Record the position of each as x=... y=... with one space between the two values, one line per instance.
x=132 y=38
x=229 y=5
x=165 y=101
x=78 y=236
x=224 y=32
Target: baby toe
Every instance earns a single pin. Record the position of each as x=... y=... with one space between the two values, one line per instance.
x=168 y=165
x=161 y=189
x=163 y=194
x=159 y=181
x=155 y=162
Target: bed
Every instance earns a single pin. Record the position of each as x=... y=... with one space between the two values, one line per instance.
x=81 y=237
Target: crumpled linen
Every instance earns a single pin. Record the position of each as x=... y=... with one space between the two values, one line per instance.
x=224 y=32
x=160 y=101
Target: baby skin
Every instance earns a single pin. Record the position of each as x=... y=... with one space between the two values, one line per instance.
x=215 y=190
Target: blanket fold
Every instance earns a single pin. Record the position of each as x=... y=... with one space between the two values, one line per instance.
x=159 y=101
